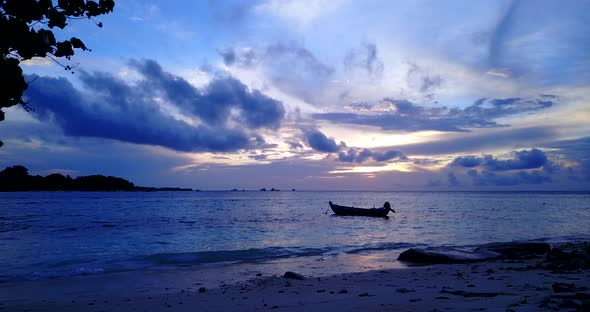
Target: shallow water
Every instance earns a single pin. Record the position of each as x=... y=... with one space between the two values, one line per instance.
x=46 y=234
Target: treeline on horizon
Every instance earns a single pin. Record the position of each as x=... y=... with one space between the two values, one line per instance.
x=17 y=179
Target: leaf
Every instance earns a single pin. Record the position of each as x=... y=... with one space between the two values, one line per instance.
x=78 y=44
x=107 y=6
x=48 y=37
x=64 y=48
x=56 y=19
x=92 y=8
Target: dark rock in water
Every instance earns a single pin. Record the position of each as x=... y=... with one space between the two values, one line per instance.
x=293 y=275
x=432 y=255
x=569 y=257
x=202 y=289
x=343 y=291
x=517 y=250
x=405 y=290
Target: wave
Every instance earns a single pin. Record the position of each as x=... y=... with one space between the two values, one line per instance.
x=202 y=259
x=383 y=247
x=75 y=267
x=223 y=256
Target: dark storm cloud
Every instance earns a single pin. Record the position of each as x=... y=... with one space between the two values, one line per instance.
x=214 y=102
x=506 y=179
x=531 y=159
x=466 y=161
x=365 y=58
x=360 y=155
x=407 y=116
x=319 y=141
x=111 y=108
x=525 y=159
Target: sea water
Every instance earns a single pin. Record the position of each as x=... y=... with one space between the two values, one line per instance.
x=57 y=234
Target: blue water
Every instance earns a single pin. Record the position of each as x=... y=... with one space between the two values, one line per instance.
x=45 y=234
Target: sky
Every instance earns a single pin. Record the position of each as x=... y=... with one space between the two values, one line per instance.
x=317 y=95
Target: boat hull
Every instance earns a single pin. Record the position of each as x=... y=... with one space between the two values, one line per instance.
x=351 y=211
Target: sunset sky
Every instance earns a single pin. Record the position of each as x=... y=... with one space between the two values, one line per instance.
x=317 y=95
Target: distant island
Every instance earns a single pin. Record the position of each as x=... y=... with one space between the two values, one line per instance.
x=17 y=179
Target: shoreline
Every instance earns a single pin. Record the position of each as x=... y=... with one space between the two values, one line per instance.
x=507 y=284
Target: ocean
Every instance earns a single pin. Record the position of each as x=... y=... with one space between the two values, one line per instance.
x=59 y=234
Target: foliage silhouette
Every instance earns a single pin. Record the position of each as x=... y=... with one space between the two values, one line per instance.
x=17 y=179
x=26 y=31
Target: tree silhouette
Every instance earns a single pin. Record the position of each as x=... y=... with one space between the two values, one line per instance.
x=17 y=179
x=26 y=31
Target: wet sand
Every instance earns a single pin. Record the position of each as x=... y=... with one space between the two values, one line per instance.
x=498 y=285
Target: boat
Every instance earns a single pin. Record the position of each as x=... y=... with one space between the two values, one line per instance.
x=369 y=212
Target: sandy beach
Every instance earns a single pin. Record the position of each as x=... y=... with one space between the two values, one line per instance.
x=497 y=285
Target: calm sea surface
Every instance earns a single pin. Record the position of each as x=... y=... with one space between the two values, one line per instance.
x=45 y=235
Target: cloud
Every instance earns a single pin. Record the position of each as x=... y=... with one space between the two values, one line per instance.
x=407 y=116
x=111 y=108
x=360 y=155
x=294 y=144
x=366 y=59
x=522 y=177
x=433 y=183
x=540 y=41
x=419 y=79
x=319 y=141
x=574 y=149
x=525 y=159
x=577 y=152
x=228 y=56
x=531 y=159
x=466 y=161
x=475 y=142
x=452 y=178
x=214 y=103
x=291 y=68
x=300 y=13
x=500 y=33
x=258 y=157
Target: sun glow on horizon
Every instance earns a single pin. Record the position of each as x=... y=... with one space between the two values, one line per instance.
x=403 y=167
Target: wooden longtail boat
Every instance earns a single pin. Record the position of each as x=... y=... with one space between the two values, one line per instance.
x=369 y=212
